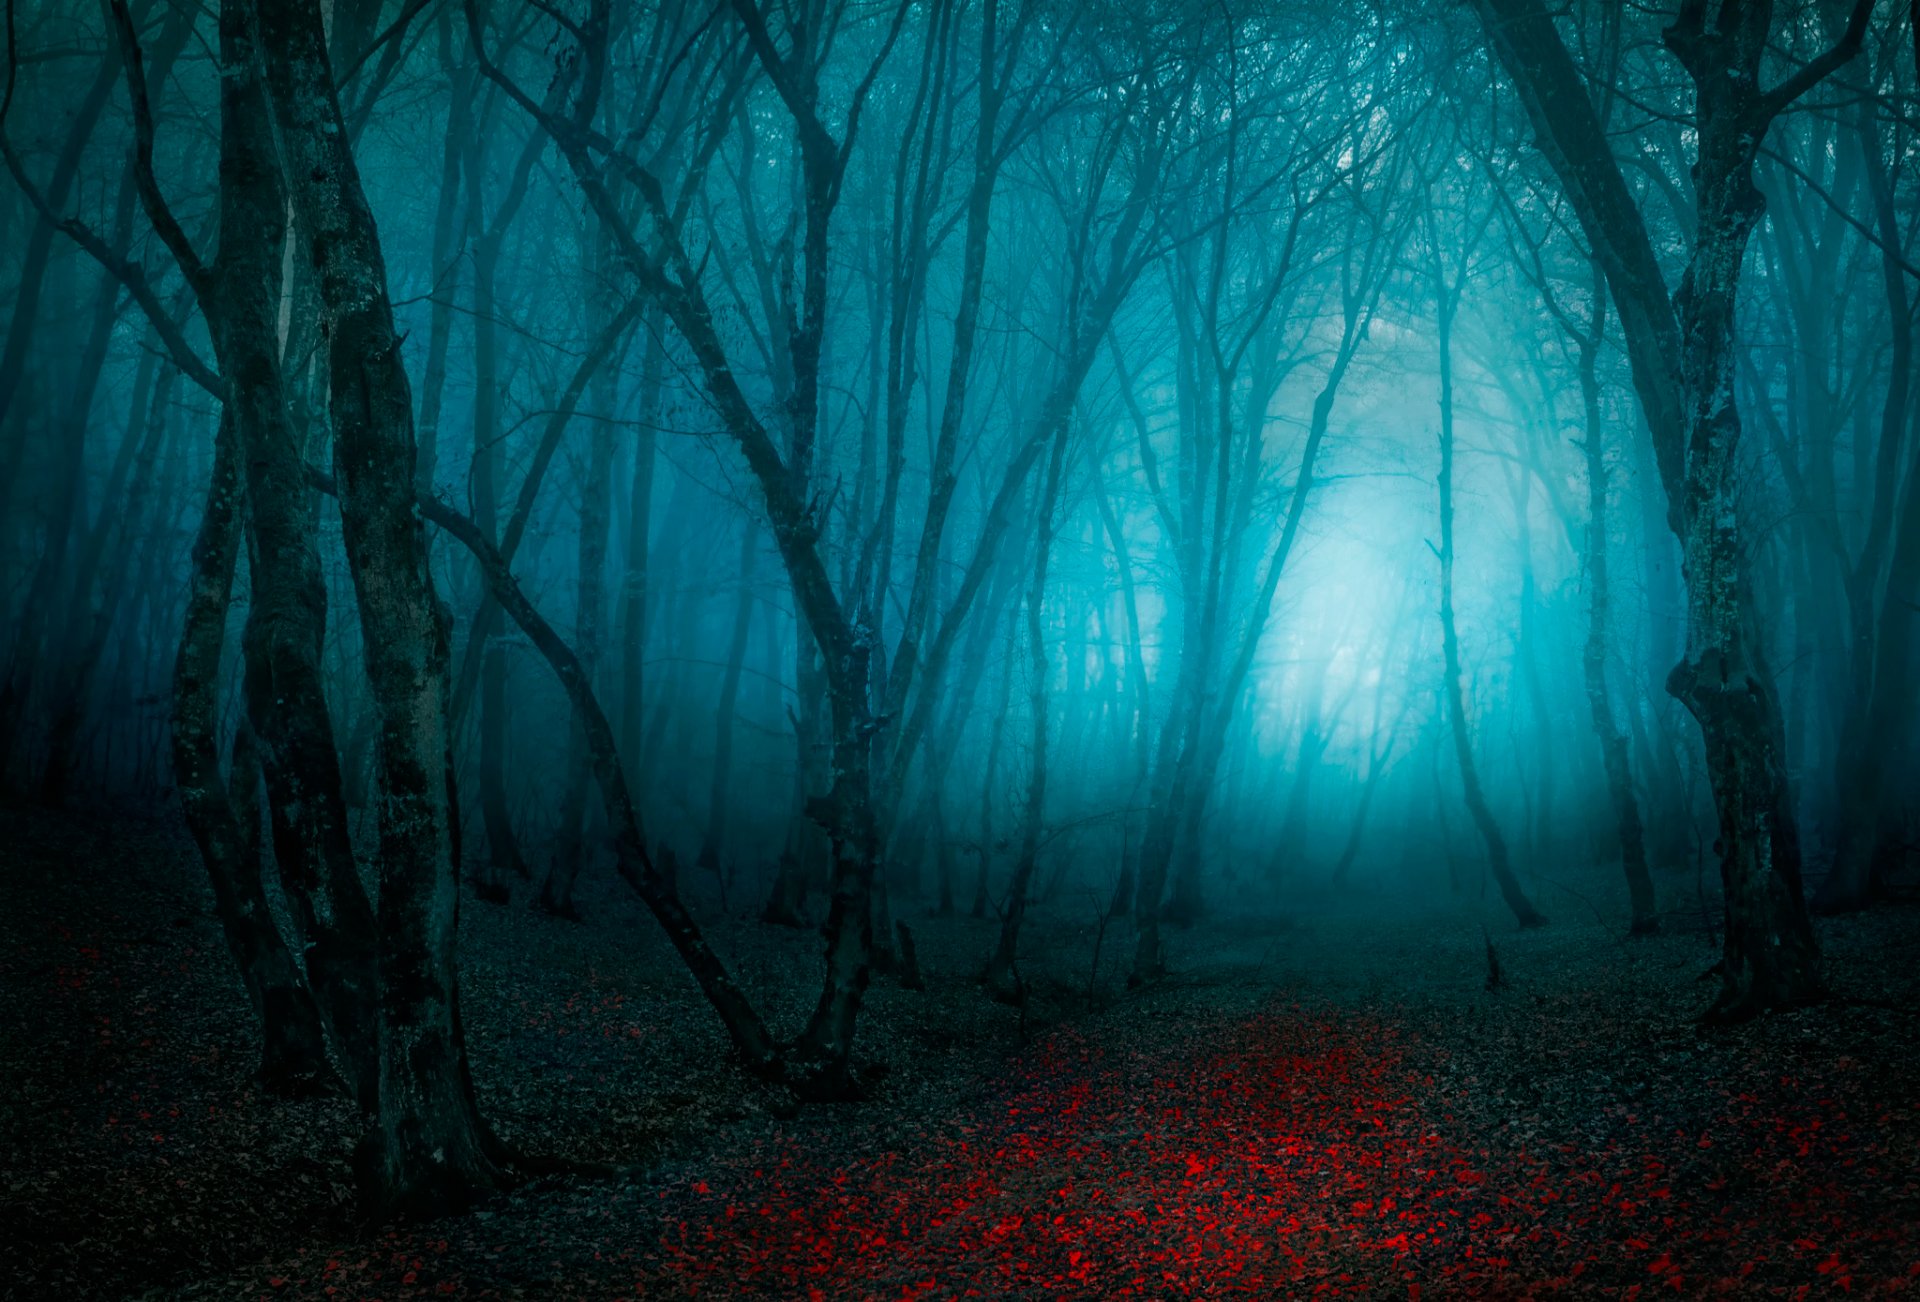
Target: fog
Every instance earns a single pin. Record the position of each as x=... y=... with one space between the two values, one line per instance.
x=1162 y=461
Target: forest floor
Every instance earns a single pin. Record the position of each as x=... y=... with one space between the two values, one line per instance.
x=1337 y=1105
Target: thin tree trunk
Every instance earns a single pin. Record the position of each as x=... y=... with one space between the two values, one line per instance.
x=596 y=510
x=42 y=610
x=1613 y=741
x=503 y=848
x=712 y=843
x=990 y=783
x=445 y=214
x=1866 y=740
x=1516 y=899
x=633 y=578
x=124 y=505
x=1001 y=978
x=293 y=1055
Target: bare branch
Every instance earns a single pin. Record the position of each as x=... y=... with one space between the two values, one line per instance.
x=1835 y=57
x=165 y=224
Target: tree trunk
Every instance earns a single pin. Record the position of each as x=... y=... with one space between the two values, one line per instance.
x=503 y=848
x=596 y=510
x=430 y=1149
x=111 y=543
x=1613 y=741
x=633 y=577
x=1867 y=740
x=285 y=632
x=636 y=866
x=1510 y=890
x=990 y=784
x=1682 y=354
x=1001 y=977
x=445 y=215
x=42 y=610
x=711 y=843
x=293 y=1055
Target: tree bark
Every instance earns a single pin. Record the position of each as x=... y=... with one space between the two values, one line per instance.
x=293 y=1055
x=1682 y=354
x=430 y=1149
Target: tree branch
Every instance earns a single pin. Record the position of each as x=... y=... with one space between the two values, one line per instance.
x=1835 y=57
x=165 y=224
x=128 y=272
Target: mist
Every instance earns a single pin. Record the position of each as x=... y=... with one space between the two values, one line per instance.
x=1052 y=498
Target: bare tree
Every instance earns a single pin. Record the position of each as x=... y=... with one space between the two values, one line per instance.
x=1681 y=348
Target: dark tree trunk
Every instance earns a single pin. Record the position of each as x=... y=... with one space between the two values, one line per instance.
x=433 y=382
x=1682 y=353
x=293 y=1055
x=286 y=624
x=640 y=869
x=596 y=511
x=503 y=847
x=111 y=546
x=36 y=258
x=633 y=576
x=990 y=785
x=42 y=610
x=430 y=1149
x=1867 y=739
x=712 y=843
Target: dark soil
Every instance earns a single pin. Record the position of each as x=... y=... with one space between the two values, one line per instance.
x=1334 y=1106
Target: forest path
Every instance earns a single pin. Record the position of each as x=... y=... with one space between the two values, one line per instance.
x=1331 y=1104
x=1237 y=1133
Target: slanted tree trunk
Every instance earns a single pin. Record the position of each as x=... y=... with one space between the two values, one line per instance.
x=639 y=869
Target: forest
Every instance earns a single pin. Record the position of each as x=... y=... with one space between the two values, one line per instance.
x=959 y=648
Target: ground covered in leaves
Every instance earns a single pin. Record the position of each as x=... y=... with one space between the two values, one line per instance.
x=1332 y=1106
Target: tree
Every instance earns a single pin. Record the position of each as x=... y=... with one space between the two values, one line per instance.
x=430 y=1148
x=1682 y=352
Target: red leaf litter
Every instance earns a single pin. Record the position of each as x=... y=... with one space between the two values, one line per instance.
x=1295 y=1155
x=1269 y=1165
x=1242 y=1131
